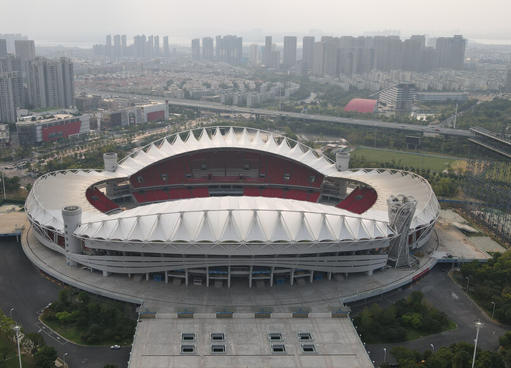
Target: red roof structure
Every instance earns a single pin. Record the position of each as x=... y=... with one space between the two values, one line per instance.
x=362 y=105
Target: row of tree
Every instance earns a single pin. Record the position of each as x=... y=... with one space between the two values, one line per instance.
x=490 y=283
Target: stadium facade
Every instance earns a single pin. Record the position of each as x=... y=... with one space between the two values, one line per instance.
x=217 y=203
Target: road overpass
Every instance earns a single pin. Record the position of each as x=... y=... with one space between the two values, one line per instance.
x=216 y=107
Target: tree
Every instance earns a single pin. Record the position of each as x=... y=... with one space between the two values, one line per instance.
x=45 y=357
x=63 y=295
x=4 y=351
x=33 y=341
x=110 y=366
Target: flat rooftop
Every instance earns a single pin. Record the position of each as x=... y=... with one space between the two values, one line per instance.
x=11 y=220
x=245 y=341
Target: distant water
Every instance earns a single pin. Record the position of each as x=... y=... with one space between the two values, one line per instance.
x=488 y=41
x=181 y=41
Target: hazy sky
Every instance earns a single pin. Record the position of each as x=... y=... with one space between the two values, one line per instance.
x=90 y=20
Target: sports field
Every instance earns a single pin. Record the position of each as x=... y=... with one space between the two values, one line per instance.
x=407 y=159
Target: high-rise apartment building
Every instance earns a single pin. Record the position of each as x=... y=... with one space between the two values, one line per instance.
x=25 y=50
x=166 y=50
x=308 y=50
x=11 y=96
x=230 y=49
x=267 y=51
x=124 y=46
x=108 y=46
x=156 y=48
x=207 y=48
x=3 y=47
x=117 y=46
x=450 y=52
x=50 y=83
x=289 y=51
x=196 y=49
x=254 y=54
x=10 y=63
x=11 y=38
x=149 y=47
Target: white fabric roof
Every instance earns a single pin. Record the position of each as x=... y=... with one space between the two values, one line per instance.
x=234 y=219
x=54 y=191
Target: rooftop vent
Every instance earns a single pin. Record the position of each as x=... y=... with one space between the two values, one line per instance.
x=308 y=348
x=188 y=336
x=187 y=349
x=275 y=336
x=220 y=336
x=278 y=348
x=217 y=349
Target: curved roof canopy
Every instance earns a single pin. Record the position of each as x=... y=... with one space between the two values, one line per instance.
x=216 y=219
x=362 y=105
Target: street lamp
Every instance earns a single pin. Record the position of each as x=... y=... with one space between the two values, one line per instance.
x=493 y=312
x=479 y=325
x=433 y=347
x=10 y=313
x=17 y=331
x=468 y=281
x=65 y=360
x=384 y=355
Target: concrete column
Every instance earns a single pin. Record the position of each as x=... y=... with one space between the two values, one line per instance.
x=292 y=276
x=250 y=276
x=186 y=276
x=329 y=275
x=271 y=275
x=110 y=161
x=72 y=217
x=369 y=273
x=207 y=276
x=106 y=273
x=147 y=276
x=166 y=277
x=311 y=277
x=228 y=276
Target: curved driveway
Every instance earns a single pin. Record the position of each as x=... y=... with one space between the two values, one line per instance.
x=25 y=289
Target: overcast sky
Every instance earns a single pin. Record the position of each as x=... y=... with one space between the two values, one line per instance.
x=91 y=20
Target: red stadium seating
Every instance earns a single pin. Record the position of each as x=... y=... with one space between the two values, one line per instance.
x=100 y=201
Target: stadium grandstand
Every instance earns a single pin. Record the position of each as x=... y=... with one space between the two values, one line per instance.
x=227 y=202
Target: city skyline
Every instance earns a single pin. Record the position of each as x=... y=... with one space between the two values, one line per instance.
x=284 y=17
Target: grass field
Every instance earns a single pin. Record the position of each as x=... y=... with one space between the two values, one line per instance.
x=408 y=159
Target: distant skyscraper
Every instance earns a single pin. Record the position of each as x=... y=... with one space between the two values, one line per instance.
x=10 y=63
x=267 y=51
x=207 y=48
x=308 y=50
x=117 y=46
x=11 y=96
x=139 y=46
x=254 y=54
x=196 y=49
x=410 y=57
x=50 y=83
x=450 y=52
x=156 y=49
x=318 y=67
x=25 y=50
x=3 y=48
x=166 y=50
x=124 y=46
x=274 y=61
x=108 y=46
x=289 y=51
x=230 y=49
x=149 y=47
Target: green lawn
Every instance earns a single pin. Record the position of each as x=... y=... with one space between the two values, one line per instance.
x=12 y=358
x=413 y=334
x=44 y=109
x=407 y=159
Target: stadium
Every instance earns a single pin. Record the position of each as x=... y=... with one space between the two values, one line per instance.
x=227 y=203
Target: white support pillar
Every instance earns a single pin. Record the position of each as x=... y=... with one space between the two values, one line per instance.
x=106 y=273
x=250 y=276
x=166 y=277
x=369 y=273
x=207 y=276
x=228 y=276
x=329 y=276
x=292 y=276
x=186 y=276
x=147 y=276
x=271 y=275
x=311 y=277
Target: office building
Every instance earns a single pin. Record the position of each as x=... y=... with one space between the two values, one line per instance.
x=308 y=50
x=25 y=50
x=398 y=97
x=3 y=47
x=289 y=51
x=50 y=83
x=196 y=49
x=207 y=48
x=48 y=130
x=11 y=96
